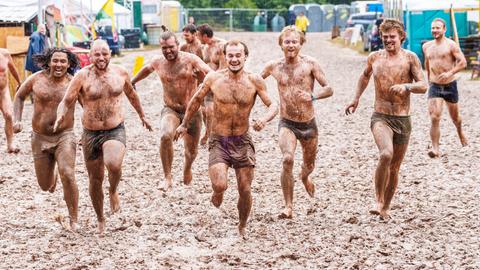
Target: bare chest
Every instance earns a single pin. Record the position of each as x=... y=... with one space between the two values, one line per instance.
x=438 y=53
x=102 y=87
x=48 y=92
x=241 y=93
x=293 y=76
x=174 y=73
x=392 y=71
x=211 y=55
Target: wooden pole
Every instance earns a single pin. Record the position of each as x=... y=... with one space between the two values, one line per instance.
x=454 y=25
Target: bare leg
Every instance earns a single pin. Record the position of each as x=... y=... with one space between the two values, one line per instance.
x=45 y=171
x=208 y=121
x=309 y=148
x=113 y=153
x=288 y=143
x=383 y=136
x=244 y=205
x=191 y=150
x=6 y=108
x=168 y=126
x=399 y=151
x=453 y=110
x=218 y=177
x=96 y=173
x=435 y=107
x=65 y=157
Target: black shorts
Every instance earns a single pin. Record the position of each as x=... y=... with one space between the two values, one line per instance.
x=302 y=130
x=92 y=140
x=448 y=92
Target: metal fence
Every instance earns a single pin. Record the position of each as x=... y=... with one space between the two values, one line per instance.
x=240 y=20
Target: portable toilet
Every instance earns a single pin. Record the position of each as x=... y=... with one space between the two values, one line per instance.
x=418 y=16
x=314 y=15
x=293 y=11
x=171 y=15
x=328 y=18
x=277 y=23
x=342 y=12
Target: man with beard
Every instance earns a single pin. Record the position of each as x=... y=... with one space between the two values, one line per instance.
x=212 y=55
x=6 y=64
x=100 y=87
x=295 y=75
x=192 y=44
x=234 y=92
x=397 y=73
x=443 y=60
x=177 y=73
x=50 y=148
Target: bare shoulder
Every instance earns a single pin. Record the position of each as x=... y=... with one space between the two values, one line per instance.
x=215 y=75
x=183 y=47
x=427 y=44
x=412 y=57
x=375 y=55
x=308 y=59
x=118 y=69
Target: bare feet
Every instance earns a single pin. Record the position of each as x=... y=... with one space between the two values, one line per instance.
x=463 y=140
x=187 y=177
x=433 y=154
x=114 y=202
x=287 y=213
x=13 y=150
x=167 y=186
x=101 y=227
x=384 y=215
x=242 y=231
x=309 y=185
x=217 y=199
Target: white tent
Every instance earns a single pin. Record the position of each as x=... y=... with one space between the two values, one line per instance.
x=75 y=8
x=415 y=5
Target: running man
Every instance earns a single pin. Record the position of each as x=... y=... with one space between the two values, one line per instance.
x=234 y=92
x=101 y=87
x=396 y=73
x=50 y=148
x=192 y=44
x=443 y=60
x=212 y=55
x=6 y=107
x=295 y=75
x=177 y=74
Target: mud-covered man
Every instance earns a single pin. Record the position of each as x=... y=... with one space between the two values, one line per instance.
x=176 y=70
x=192 y=44
x=6 y=107
x=212 y=55
x=52 y=148
x=443 y=60
x=296 y=75
x=234 y=92
x=397 y=73
x=101 y=87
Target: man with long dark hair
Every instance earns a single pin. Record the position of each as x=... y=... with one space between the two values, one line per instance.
x=52 y=147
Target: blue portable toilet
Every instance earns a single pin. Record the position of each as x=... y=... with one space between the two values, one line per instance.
x=277 y=23
x=293 y=11
x=328 y=20
x=342 y=13
x=314 y=15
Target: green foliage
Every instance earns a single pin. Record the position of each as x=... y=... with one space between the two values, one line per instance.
x=264 y=4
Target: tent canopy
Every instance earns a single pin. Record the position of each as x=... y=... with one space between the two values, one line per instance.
x=438 y=4
x=73 y=7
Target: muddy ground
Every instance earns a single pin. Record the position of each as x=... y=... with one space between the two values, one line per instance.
x=435 y=216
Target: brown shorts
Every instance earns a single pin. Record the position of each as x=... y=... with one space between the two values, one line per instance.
x=235 y=151
x=195 y=125
x=400 y=125
x=45 y=146
x=92 y=140
x=302 y=130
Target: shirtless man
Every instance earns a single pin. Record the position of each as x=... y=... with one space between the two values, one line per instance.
x=443 y=59
x=177 y=73
x=296 y=75
x=51 y=148
x=192 y=44
x=100 y=87
x=234 y=92
x=396 y=73
x=212 y=55
x=6 y=64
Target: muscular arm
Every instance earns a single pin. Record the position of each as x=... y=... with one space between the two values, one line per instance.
x=24 y=90
x=262 y=93
x=420 y=85
x=143 y=73
x=200 y=65
x=267 y=70
x=427 y=63
x=364 y=78
x=71 y=95
x=326 y=90
x=197 y=99
x=133 y=96
x=12 y=68
x=460 y=61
